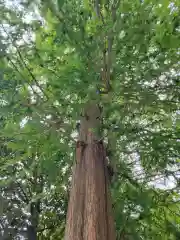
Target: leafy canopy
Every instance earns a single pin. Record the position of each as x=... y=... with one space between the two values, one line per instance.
x=51 y=59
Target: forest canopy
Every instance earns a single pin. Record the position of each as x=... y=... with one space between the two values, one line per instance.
x=53 y=55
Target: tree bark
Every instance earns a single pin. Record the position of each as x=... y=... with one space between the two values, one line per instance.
x=31 y=233
x=89 y=214
x=34 y=218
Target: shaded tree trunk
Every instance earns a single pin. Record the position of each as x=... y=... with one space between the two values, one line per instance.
x=89 y=214
x=31 y=233
x=34 y=218
x=35 y=208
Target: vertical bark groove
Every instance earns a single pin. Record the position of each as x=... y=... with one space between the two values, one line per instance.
x=89 y=214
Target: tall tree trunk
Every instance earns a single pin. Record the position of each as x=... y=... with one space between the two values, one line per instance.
x=89 y=214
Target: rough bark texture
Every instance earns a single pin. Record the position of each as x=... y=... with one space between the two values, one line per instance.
x=89 y=214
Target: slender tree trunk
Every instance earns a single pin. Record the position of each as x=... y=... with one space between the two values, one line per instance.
x=89 y=214
x=34 y=218
x=31 y=233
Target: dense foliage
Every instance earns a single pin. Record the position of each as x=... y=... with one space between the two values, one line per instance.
x=51 y=55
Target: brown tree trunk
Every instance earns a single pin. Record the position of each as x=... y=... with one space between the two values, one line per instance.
x=89 y=214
